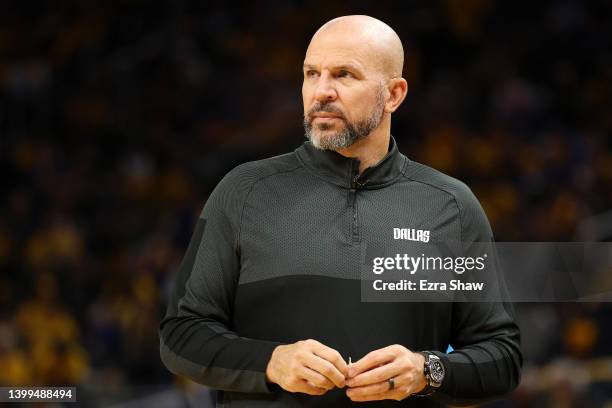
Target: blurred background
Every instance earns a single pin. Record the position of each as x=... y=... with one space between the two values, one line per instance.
x=118 y=118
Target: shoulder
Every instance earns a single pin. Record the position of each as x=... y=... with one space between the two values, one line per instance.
x=233 y=189
x=245 y=175
x=444 y=183
x=474 y=222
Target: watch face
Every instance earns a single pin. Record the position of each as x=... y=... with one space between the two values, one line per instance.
x=437 y=371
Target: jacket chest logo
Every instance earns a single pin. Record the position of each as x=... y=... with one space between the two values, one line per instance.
x=411 y=234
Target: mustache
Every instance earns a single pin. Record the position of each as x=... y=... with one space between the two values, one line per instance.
x=325 y=107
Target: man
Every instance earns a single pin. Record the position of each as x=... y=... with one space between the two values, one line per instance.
x=267 y=308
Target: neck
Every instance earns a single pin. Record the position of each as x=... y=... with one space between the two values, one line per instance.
x=369 y=150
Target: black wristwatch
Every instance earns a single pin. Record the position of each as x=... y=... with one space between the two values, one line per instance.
x=434 y=372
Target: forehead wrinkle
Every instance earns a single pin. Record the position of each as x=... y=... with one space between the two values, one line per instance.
x=337 y=56
x=355 y=66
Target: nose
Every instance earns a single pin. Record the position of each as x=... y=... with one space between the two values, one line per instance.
x=325 y=90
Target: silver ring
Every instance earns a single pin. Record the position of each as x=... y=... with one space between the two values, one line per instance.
x=391 y=382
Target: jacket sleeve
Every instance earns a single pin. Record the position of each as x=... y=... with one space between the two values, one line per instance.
x=196 y=337
x=486 y=361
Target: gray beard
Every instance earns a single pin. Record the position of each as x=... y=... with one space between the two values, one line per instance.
x=351 y=132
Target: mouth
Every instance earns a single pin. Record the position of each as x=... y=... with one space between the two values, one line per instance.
x=325 y=116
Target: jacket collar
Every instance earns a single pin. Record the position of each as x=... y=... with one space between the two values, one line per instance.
x=343 y=171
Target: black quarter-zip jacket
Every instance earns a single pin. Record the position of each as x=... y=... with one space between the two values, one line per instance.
x=275 y=259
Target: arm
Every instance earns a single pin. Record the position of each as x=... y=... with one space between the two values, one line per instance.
x=196 y=339
x=487 y=359
x=486 y=363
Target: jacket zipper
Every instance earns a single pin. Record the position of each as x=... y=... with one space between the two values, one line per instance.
x=353 y=202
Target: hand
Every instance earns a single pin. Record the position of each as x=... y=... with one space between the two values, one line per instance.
x=307 y=366
x=369 y=377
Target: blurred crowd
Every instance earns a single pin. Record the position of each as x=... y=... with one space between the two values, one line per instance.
x=117 y=120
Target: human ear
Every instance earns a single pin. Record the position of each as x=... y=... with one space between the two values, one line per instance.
x=398 y=88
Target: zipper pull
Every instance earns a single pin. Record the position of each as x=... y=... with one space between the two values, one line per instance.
x=357 y=184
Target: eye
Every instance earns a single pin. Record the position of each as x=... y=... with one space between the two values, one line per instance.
x=344 y=74
x=311 y=73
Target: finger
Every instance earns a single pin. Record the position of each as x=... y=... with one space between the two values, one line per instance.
x=326 y=369
x=368 y=390
x=371 y=360
x=316 y=379
x=371 y=397
x=331 y=355
x=375 y=375
x=310 y=389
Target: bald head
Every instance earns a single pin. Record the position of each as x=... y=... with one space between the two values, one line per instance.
x=370 y=40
